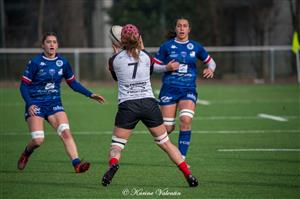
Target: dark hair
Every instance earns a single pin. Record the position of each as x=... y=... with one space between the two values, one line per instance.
x=184 y=18
x=47 y=34
x=171 y=34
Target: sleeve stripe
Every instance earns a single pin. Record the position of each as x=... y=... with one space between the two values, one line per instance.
x=26 y=80
x=157 y=61
x=71 y=79
x=207 y=60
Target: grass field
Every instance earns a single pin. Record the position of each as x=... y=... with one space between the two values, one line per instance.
x=234 y=152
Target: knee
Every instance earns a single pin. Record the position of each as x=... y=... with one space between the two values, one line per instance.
x=169 y=124
x=185 y=121
x=162 y=141
x=37 y=141
x=63 y=130
x=37 y=137
x=185 y=118
x=118 y=143
x=170 y=129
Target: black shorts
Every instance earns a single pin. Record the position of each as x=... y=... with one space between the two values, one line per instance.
x=132 y=111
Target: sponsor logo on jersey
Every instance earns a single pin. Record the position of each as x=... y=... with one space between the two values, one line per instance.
x=49 y=86
x=174 y=55
x=173 y=47
x=192 y=54
x=183 y=53
x=60 y=72
x=41 y=72
x=51 y=72
x=59 y=63
x=191 y=96
x=37 y=110
x=190 y=46
x=165 y=99
x=56 y=108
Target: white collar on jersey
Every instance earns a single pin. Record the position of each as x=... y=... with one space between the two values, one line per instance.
x=181 y=42
x=50 y=59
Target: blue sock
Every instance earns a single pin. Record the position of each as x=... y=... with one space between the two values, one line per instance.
x=75 y=162
x=184 y=142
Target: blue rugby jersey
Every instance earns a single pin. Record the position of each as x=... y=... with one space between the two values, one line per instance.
x=186 y=53
x=43 y=76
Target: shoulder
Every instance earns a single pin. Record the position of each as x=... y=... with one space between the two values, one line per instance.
x=113 y=57
x=168 y=43
x=61 y=58
x=36 y=59
x=146 y=53
x=195 y=43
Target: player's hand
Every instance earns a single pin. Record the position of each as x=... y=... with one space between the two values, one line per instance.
x=208 y=73
x=32 y=110
x=142 y=43
x=116 y=49
x=172 y=65
x=98 y=98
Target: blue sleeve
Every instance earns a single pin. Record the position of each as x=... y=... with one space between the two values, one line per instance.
x=161 y=55
x=25 y=94
x=29 y=72
x=201 y=53
x=72 y=82
x=68 y=72
x=76 y=86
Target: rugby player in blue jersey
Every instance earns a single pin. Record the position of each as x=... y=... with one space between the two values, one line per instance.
x=179 y=81
x=40 y=89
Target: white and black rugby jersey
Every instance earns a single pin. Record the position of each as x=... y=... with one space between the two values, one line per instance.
x=133 y=76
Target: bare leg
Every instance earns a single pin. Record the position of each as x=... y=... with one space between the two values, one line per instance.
x=119 y=140
x=120 y=137
x=167 y=146
x=66 y=136
x=35 y=125
x=59 y=121
x=162 y=140
x=169 y=115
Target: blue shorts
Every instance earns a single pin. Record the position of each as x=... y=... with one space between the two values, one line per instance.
x=171 y=95
x=44 y=110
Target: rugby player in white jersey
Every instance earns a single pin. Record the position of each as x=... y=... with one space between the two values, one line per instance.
x=131 y=67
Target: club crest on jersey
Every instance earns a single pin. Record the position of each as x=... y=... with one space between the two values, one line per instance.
x=190 y=46
x=59 y=63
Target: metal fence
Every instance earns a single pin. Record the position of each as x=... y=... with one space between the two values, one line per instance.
x=239 y=63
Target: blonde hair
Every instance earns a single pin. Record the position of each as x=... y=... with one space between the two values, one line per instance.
x=130 y=39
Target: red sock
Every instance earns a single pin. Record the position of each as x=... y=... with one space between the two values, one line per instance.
x=184 y=168
x=113 y=161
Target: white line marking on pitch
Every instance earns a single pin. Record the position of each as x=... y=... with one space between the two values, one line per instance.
x=272 y=117
x=147 y=132
x=259 y=150
x=203 y=102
